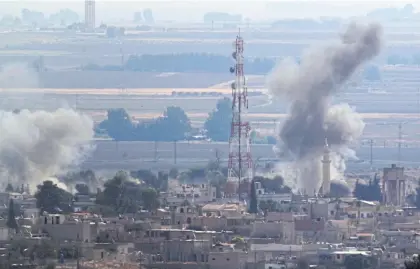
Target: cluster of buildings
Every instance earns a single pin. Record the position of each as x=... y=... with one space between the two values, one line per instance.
x=195 y=229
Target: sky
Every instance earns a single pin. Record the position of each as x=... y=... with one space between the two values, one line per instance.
x=194 y=9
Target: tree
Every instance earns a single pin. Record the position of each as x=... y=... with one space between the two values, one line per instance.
x=173 y=173
x=159 y=182
x=417 y=199
x=150 y=199
x=125 y=195
x=219 y=121
x=52 y=199
x=174 y=119
x=369 y=192
x=413 y=263
x=113 y=190
x=118 y=125
x=253 y=201
x=9 y=188
x=82 y=189
x=11 y=217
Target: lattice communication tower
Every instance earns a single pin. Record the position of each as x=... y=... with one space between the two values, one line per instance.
x=240 y=161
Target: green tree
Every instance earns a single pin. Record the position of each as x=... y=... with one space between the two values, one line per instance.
x=125 y=195
x=219 y=121
x=9 y=188
x=253 y=201
x=52 y=199
x=173 y=173
x=176 y=120
x=413 y=263
x=150 y=199
x=11 y=216
x=118 y=125
x=113 y=191
x=82 y=189
x=369 y=192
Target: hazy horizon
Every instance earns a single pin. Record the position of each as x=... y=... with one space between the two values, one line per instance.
x=194 y=10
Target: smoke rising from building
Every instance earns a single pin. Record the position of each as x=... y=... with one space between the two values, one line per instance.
x=309 y=88
x=35 y=146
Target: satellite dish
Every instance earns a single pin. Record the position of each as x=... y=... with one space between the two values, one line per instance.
x=232 y=70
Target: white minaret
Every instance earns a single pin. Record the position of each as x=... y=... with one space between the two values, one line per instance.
x=326 y=170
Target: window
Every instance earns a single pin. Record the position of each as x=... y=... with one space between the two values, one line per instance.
x=213 y=259
x=227 y=259
x=332 y=213
x=181 y=210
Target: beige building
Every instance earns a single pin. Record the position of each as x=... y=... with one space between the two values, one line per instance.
x=394 y=185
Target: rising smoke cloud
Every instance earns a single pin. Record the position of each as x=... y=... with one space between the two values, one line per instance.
x=35 y=146
x=309 y=88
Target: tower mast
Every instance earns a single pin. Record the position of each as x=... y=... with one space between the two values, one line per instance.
x=240 y=161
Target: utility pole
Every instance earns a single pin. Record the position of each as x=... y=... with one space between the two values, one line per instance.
x=174 y=151
x=156 y=150
x=77 y=102
x=399 y=141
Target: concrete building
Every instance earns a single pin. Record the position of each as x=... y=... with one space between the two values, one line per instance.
x=394 y=185
x=263 y=195
x=193 y=193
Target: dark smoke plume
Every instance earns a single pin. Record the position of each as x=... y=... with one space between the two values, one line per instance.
x=310 y=86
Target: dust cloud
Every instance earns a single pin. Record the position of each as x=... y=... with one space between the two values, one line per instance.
x=309 y=88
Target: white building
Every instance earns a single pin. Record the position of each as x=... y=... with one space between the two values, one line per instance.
x=266 y=196
x=193 y=193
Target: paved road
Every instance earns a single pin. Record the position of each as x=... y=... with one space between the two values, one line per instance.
x=111 y=155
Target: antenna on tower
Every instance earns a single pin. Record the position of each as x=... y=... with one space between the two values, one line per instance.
x=240 y=161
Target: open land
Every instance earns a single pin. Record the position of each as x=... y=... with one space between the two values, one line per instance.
x=383 y=104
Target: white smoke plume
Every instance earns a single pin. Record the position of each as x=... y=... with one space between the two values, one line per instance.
x=309 y=88
x=35 y=146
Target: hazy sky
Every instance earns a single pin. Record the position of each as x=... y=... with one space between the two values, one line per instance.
x=194 y=9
